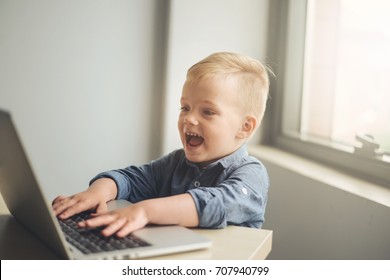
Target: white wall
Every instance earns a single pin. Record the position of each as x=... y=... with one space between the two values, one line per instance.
x=81 y=79
x=199 y=28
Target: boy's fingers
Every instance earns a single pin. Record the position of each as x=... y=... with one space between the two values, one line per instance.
x=112 y=222
x=68 y=212
x=114 y=226
x=128 y=228
x=69 y=208
x=58 y=199
x=60 y=205
x=100 y=220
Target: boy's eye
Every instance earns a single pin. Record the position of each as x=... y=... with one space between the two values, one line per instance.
x=208 y=112
x=184 y=109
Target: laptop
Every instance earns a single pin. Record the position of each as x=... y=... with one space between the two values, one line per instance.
x=28 y=204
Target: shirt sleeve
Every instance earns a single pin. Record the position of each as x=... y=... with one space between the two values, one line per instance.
x=240 y=199
x=136 y=183
x=125 y=180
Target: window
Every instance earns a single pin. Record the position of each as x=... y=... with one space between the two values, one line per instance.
x=333 y=61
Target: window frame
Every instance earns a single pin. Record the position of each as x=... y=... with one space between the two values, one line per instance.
x=286 y=47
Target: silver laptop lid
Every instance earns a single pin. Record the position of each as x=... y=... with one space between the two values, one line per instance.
x=21 y=192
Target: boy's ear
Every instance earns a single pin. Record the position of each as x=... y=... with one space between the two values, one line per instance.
x=248 y=127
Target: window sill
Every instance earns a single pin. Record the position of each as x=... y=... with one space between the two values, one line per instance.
x=322 y=173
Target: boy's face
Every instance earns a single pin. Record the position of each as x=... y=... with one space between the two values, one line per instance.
x=210 y=119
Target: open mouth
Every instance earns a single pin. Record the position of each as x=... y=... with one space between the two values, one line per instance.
x=193 y=139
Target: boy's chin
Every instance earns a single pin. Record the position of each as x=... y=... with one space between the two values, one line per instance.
x=195 y=158
x=200 y=161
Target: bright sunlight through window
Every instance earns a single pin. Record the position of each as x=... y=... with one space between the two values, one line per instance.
x=347 y=71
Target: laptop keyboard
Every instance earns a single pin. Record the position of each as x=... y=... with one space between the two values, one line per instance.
x=90 y=240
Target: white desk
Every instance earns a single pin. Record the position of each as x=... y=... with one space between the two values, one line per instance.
x=232 y=242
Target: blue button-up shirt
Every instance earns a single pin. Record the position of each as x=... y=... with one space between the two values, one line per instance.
x=230 y=191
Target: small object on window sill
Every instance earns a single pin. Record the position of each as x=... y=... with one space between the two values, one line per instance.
x=367 y=148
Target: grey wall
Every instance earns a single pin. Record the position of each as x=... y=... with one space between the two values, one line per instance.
x=313 y=220
x=84 y=83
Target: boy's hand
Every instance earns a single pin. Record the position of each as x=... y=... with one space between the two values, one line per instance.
x=173 y=210
x=95 y=197
x=67 y=206
x=121 y=221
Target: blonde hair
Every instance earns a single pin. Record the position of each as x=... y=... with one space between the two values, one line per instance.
x=252 y=78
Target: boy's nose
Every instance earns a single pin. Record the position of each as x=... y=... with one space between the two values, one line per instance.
x=190 y=118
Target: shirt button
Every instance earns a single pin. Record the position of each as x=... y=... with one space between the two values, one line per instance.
x=244 y=191
x=196 y=183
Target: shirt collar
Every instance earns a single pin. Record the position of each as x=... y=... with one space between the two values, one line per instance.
x=233 y=157
x=227 y=160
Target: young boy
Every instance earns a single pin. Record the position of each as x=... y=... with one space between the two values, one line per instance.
x=211 y=182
